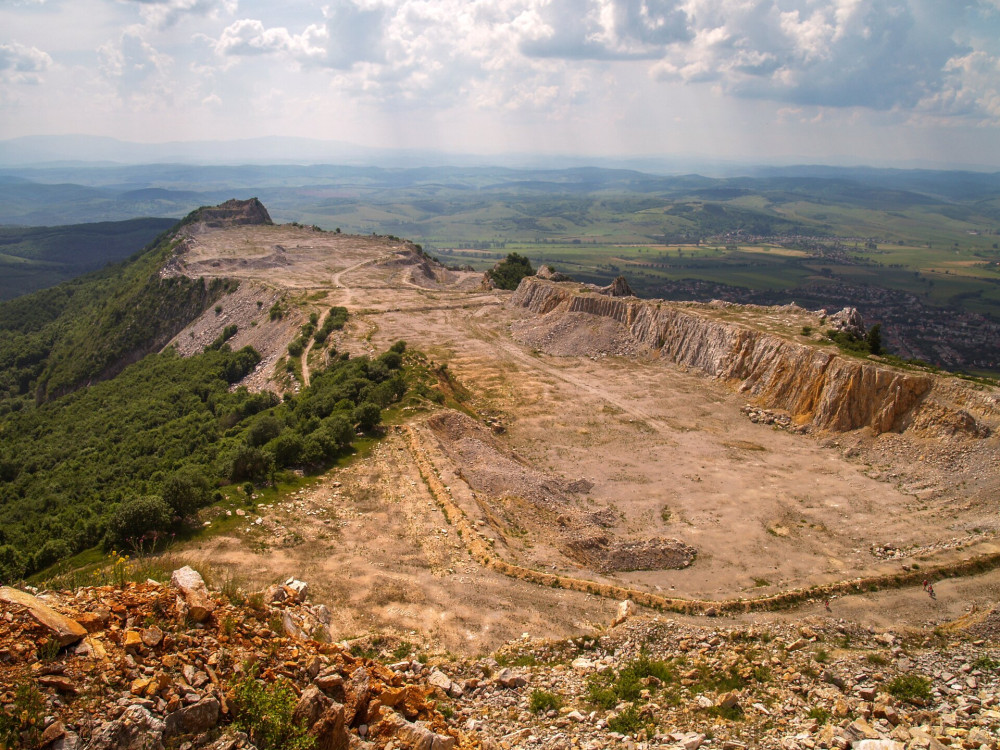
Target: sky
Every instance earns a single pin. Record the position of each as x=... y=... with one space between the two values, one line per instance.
x=819 y=81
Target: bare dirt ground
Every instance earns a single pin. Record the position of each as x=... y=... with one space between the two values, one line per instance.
x=665 y=453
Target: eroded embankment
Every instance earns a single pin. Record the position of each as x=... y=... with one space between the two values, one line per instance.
x=482 y=551
x=815 y=386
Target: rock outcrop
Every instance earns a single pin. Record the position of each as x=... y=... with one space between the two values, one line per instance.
x=617 y=288
x=232 y=213
x=848 y=320
x=550 y=274
x=814 y=386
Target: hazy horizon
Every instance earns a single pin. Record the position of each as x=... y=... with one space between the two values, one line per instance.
x=840 y=82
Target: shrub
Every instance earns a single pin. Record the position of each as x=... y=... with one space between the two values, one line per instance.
x=367 y=416
x=265 y=428
x=287 y=448
x=508 y=273
x=21 y=722
x=264 y=712
x=52 y=551
x=245 y=462
x=908 y=687
x=11 y=564
x=186 y=490
x=134 y=518
x=542 y=701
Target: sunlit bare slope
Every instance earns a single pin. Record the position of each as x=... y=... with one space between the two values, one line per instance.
x=605 y=449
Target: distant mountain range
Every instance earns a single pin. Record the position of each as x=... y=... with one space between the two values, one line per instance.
x=65 y=150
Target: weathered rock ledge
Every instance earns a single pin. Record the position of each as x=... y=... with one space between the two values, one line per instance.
x=817 y=387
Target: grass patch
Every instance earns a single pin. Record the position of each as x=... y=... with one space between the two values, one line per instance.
x=630 y=721
x=820 y=714
x=607 y=689
x=22 y=721
x=877 y=660
x=731 y=713
x=542 y=701
x=986 y=663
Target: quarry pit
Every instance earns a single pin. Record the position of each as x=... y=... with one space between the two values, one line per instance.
x=598 y=431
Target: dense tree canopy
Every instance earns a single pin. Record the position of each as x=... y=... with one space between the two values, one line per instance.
x=133 y=455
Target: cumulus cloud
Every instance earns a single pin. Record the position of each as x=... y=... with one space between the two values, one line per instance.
x=605 y=29
x=22 y=64
x=137 y=70
x=874 y=54
x=164 y=13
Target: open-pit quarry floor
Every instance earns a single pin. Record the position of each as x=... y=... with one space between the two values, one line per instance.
x=583 y=451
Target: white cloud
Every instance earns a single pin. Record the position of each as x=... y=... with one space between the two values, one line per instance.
x=23 y=64
x=250 y=37
x=139 y=73
x=165 y=13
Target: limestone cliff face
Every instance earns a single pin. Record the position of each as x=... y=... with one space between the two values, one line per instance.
x=815 y=386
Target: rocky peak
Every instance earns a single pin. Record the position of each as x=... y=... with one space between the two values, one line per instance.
x=231 y=213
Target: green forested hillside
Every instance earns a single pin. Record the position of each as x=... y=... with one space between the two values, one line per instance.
x=135 y=454
x=57 y=339
x=33 y=258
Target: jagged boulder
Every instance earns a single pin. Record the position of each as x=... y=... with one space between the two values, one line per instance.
x=60 y=627
x=193 y=719
x=550 y=274
x=414 y=735
x=617 y=288
x=135 y=729
x=848 y=320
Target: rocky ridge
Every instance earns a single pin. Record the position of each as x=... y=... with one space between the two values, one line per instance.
x=814 y=386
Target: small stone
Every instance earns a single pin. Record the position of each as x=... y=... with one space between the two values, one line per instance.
x=439 y=679
x=53 y=732
x=60 y=683
x=152 y=636
x=728 y=701
x=508 y=679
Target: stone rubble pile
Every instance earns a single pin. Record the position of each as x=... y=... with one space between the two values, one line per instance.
x=134 y=667
x=823 y=685
x=152 y=666
x=780 y=420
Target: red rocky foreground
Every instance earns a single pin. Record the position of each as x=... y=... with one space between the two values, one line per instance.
x=153 y=665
